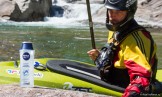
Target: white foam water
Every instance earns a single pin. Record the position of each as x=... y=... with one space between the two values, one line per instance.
x=75 y=15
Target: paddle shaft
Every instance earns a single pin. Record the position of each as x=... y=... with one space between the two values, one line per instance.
x=90 y=24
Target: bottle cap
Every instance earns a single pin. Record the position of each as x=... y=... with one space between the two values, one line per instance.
x=27 y=45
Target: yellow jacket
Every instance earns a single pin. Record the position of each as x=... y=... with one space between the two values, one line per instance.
x=134 y=54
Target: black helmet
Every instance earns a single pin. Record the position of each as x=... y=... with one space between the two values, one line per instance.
x=128 y=5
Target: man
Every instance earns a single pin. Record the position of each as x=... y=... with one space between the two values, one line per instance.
x=129 y=58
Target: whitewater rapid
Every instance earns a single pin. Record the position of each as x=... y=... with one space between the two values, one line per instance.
x=75 y=15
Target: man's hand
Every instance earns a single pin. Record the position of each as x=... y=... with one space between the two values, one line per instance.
x=93 y=54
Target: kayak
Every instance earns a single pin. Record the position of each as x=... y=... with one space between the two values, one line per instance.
x=64 y=74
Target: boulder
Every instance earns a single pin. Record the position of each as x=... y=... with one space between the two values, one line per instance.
x=7 y=7
x=150 y=10
x=25 y=10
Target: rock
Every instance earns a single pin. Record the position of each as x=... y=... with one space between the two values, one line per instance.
x=17 y=91
x=56 y=11
x=7 y=7
x=143 y=2
x=149 y=13
x=25 y=10
x=150 y=10
x=84 y=1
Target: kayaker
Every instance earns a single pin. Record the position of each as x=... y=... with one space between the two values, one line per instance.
x=129 y=58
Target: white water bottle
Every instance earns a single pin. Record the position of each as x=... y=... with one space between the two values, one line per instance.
x=27 y=65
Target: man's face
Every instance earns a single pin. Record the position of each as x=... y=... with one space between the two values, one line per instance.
x=116 y=16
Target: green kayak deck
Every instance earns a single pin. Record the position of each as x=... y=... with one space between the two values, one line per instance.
x=70 y=75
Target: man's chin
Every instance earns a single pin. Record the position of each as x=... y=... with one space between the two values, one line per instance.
x=113 y=23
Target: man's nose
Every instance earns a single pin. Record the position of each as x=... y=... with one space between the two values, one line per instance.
x=112 y=14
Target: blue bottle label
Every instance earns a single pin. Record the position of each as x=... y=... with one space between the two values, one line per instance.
x=26 y=56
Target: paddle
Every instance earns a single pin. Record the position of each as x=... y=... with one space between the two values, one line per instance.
x=90 y=25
